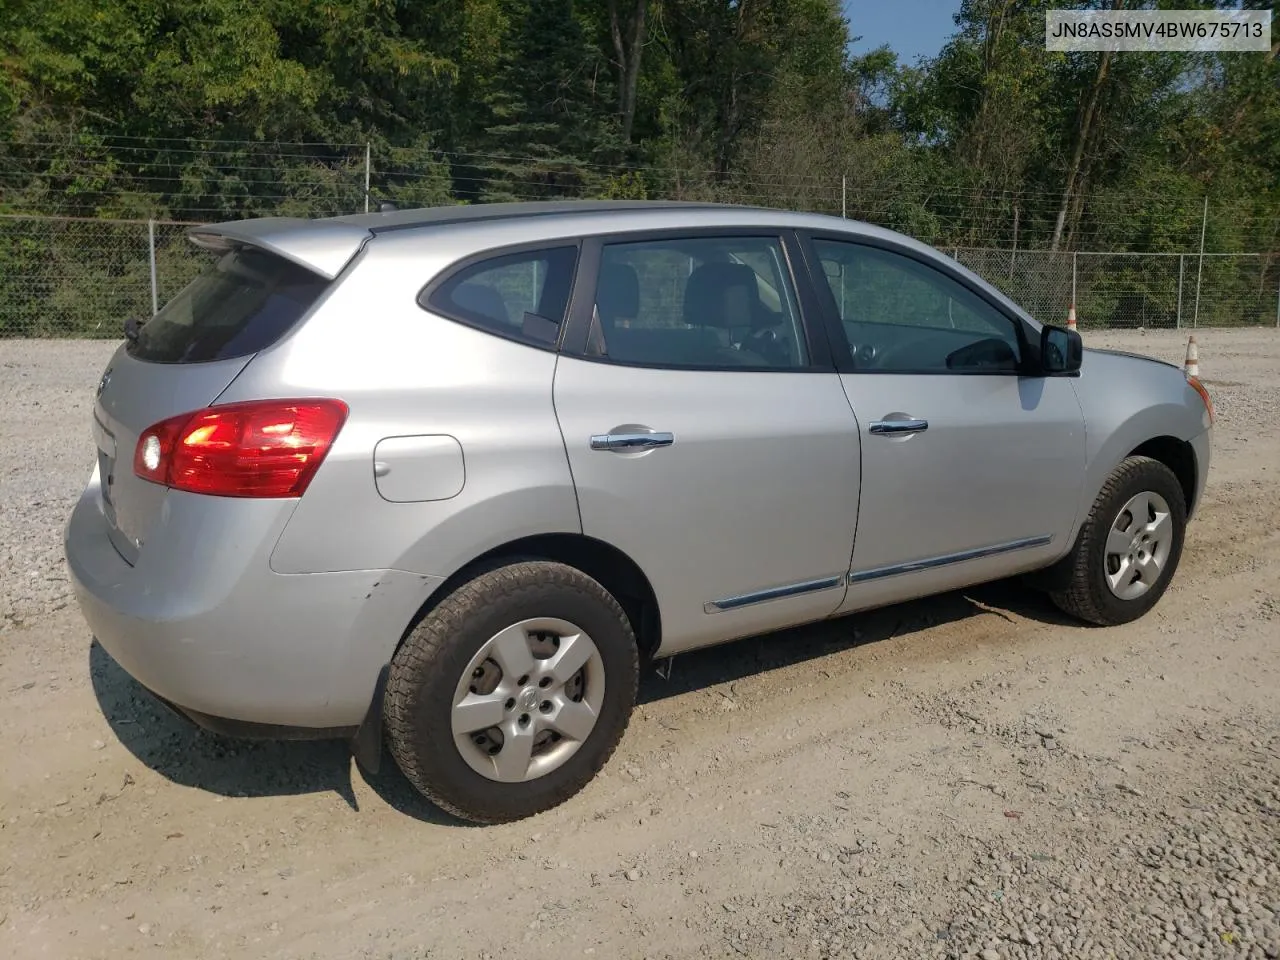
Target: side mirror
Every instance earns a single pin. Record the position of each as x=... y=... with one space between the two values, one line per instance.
x=1061 y=351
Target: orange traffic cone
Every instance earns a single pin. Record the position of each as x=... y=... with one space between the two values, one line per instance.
x=1071 y=317
x=1192 y=367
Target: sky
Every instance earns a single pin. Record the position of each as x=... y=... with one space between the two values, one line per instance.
x=912 y=28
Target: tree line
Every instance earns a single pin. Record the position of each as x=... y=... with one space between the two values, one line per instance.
x=212 y=109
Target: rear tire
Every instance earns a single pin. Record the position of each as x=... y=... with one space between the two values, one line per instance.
x=1129 y=547
x=489 y=656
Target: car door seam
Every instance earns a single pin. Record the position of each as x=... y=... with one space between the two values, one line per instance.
x=564 y=443
x=857 y=508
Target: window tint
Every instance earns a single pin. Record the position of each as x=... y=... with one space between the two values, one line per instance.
x=697 y=302
x=901 y=315
x=243 y=303
x=519 y=295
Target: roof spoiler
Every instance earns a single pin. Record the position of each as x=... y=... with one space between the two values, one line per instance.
x=321 y=246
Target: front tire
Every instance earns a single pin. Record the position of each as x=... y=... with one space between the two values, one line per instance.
x=512 y=694
x=1128 y=548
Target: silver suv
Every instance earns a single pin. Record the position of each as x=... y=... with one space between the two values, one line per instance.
x=445 y=478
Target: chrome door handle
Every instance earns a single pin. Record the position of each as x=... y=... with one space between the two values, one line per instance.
x=895 y=427
x=631 y=441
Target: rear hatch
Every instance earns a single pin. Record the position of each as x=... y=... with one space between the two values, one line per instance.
x=181 y=360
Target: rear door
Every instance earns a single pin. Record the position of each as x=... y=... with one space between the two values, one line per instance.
x=971 y=464
x=707 y=431
x=183 y=358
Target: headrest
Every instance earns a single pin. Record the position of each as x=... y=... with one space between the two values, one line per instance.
x=722 y=295
x=618 y=292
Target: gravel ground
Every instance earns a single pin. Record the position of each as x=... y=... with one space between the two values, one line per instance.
x=46 y=455
x=970 y=776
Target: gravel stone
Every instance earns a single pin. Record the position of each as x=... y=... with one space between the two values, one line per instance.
x=1183 y=866
x=46 y=455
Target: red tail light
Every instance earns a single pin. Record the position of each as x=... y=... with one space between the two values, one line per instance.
x=263 y=448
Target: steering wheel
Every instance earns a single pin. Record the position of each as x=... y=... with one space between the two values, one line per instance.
x=767 y=343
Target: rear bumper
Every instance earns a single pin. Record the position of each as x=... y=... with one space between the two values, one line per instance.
x=248 y=730
x=203 y=622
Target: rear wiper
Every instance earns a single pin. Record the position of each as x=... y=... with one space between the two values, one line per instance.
x=131 y=328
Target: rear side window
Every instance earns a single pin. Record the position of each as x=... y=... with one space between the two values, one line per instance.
x=707 y=302
x=521 y=296
x=242 y=304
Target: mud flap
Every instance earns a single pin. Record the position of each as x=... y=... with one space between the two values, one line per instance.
x=366 y=745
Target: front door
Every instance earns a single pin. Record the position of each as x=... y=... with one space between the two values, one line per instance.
x=971 y=467
x=707 y=439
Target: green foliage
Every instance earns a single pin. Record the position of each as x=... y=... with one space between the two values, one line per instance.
x=624 y=186
x=218 y=109
x=544 y=111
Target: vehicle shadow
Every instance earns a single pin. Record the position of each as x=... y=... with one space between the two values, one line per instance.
x=185 y=754
x=784 y=648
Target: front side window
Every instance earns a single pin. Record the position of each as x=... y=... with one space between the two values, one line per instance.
x=901 y=315
x=706 y=302
x=522 y=296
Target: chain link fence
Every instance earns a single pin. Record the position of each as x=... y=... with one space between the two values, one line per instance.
x=78 y=277
x=1135 y=290
x=75 y=277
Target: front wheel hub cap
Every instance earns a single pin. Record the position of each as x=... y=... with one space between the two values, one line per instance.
x=1138 y=545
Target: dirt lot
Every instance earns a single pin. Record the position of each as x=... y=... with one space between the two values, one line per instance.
x=971 y=775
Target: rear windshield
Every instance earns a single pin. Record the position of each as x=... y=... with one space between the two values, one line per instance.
x=238 y=306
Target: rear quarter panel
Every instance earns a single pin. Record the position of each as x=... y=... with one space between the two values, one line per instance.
x=1128 y=400
x=405 y=372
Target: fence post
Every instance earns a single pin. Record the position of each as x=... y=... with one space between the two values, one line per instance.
x=1013 y=254
x=1074 y=254
x=844 y=195
x=151 y=247
x=1204 y=222
x=368 y=158
x=1177 y=320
